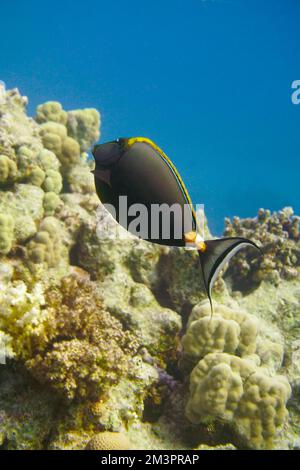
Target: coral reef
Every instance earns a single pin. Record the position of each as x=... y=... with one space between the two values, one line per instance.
x=231 y=382
x=83 y=125
x=6 y=233
x=228 y=330
x=83 y=349
x=106 y=339
x=234 y=389
x=51 y=111
x=278 y=236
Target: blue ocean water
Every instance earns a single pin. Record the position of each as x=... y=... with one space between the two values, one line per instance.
x=209 y=81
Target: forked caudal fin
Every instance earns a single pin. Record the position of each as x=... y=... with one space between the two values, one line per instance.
x=216 y=254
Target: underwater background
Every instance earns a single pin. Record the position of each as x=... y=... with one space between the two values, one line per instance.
x=110 y=344
x=209 y=81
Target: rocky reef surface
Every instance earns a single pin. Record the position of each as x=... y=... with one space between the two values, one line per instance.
x=109 y=343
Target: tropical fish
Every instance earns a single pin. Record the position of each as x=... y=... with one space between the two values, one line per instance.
x=138 y=170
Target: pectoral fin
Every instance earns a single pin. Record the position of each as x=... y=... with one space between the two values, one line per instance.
x=216 y=255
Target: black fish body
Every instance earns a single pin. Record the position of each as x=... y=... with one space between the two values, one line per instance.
x=145 y=176
x=137 y=170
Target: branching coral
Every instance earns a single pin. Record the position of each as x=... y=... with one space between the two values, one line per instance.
x=6 y=347
x=278 y=236
x=85 y=350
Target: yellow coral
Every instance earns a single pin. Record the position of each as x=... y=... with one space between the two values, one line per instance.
x=36 y=176
x=50 y=203
x=54 y=137
x=109 y=441
x=51 y=111
x=52 y=182
x=247 y=323
x=6 y=233
x=46 y=246
x=70 y=151
x=235 y=390
x=8 y=170
x=210 y=334
x=84 y=350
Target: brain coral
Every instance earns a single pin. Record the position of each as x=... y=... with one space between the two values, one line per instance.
x=8 y=170
x=235 y=390
x=108 y=441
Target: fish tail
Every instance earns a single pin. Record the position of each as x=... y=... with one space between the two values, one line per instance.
x=215 y=255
